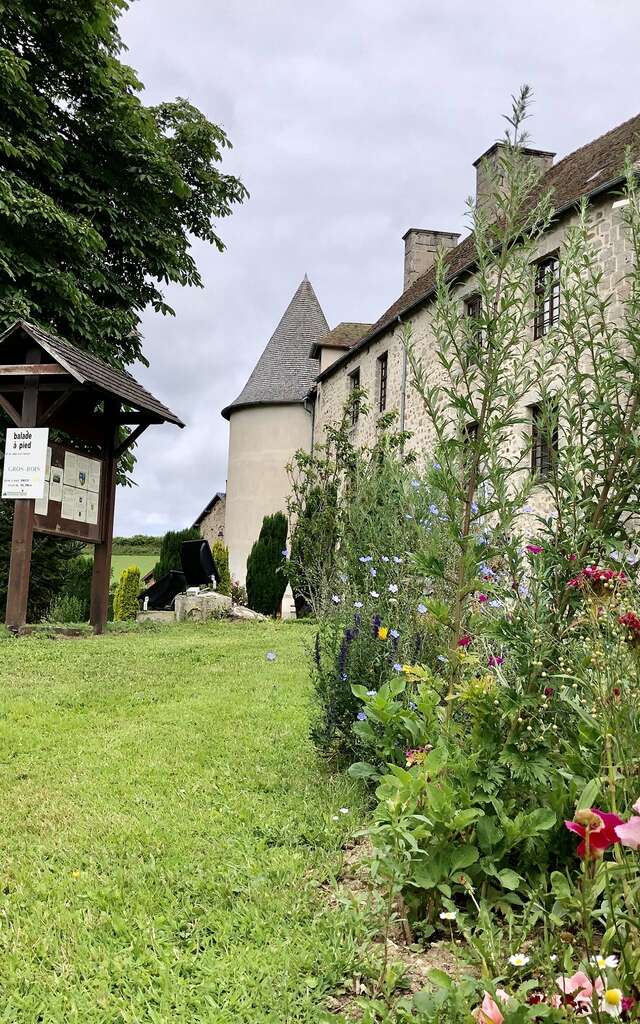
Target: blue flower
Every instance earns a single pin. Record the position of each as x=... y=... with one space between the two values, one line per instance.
x=486 y=571
x=393 y=588
x=437 y=465
x=434 y=510
x=422 y=608
x=374 y=572
x=358 y=604
x=343 y=676
x=394 y=633
x=474 y=508
x=285 y=552
x=372 y=693
x=397 y=560
x=495 y=603
x=385 y=558
x=397 y=667
x=361 y=716
x=271 y=656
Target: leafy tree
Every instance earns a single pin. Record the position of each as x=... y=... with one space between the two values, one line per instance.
x=170 y=550
x=99 y=194
x=125 y=601
x=266 y=580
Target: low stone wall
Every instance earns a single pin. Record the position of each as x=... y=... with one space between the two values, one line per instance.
x=202 y=607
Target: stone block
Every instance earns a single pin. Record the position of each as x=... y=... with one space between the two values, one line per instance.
x=159 y=616
x=202 y=607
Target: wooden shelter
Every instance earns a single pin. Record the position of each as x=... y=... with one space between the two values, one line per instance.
x=48 y=382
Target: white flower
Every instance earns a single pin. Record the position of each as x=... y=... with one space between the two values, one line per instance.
x=374 y=593
x=448 y=915
x=335 y=599
x=518 y=960
x=393 y=588
x=553 y=958
x=271 y=656
x=344 y=810
x=602 y=962
x=334 y=817
x=611 y=1002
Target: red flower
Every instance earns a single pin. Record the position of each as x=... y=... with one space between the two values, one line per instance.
x=549 y=691
x=465 y=640
x=601 y=827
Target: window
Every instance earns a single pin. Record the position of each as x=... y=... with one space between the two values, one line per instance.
x=354 y=384
x=544 y=440
x=547 y=295
x=383 y=365
x=473 y=309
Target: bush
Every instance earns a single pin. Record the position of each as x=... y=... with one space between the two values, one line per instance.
x=67 y=608
x=125 y=601
x=238 y=593
x=221 y=558
x=266 y=578
x=170 y=551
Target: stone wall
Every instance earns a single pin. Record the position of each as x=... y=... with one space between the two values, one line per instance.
x=212 y=527
x=607 y=236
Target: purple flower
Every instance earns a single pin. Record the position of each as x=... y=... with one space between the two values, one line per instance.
x=361 y=716
x=434 y=510
x=422 y=608
x=533 y=549
x=474 y=508
x=393 y=588
x=397 y=667
x=394 y=633
x=495 y=660
x=271 y=656
x=437 y=465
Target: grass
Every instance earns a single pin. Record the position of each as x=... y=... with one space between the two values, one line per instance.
x=121 y=562
x=165 y=829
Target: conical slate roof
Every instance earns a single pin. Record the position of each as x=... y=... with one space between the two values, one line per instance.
x=285 y=372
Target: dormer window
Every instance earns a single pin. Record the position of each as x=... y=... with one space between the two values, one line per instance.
x=547 y=295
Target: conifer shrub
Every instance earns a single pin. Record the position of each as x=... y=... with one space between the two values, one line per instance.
x=125 y=601
x=170 y=549
x=221 y=557
x=266 y=577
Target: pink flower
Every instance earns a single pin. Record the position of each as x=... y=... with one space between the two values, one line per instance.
x=533 y=549
x=489 y=1012
x=482 y=598
x=495 y=660
x=581 y=985
x=629 y=832
x=465 y=640
x=601 y=828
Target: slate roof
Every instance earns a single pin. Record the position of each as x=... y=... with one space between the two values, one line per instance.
x=284 y=372
x=590 y=170
x=90 y=370
x=218 y=496
x=345 y=335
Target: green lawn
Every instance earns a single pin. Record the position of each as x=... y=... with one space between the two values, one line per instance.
x=164 y=830
x=121 y=562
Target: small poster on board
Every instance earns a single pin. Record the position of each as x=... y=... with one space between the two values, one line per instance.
x=25 y=462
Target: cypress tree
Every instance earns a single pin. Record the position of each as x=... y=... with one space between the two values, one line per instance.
x=266 y=578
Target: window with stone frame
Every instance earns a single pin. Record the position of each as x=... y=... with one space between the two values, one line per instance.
x=547 y=295
x=544 y=440
x=354 y=384
x=382 y=363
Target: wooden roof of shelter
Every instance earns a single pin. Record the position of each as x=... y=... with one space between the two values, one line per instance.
x=83 y=378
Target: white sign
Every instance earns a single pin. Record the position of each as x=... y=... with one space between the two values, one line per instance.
x=25 y=462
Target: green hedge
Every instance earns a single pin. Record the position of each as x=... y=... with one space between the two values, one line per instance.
x=125 y=601
x=266 y=576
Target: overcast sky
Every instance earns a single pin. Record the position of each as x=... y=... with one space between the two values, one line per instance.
x=351 y=121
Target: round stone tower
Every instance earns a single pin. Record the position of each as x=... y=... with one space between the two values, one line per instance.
x=268 y=422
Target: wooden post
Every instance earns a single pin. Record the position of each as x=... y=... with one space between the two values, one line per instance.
x=22 y=535
x=102 y=552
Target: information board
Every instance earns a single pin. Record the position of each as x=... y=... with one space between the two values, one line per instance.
x=70 y=505
x=26 y=457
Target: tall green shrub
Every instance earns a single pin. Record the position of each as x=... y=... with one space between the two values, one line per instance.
x=170 y=550
x=221 y=558
x=266 y=578
x=125 y=602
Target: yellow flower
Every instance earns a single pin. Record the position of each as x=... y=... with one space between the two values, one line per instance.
x=75 y=874
x=383 y=632
x=407 y=669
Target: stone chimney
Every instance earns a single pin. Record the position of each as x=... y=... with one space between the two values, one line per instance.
x=420 y=248
x=489 y=177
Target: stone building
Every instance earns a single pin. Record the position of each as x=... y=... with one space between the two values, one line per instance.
x=210 y=522
x=372 y=356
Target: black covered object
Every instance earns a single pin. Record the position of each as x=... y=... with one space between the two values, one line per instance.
x=198 y=564
x=162 y=594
